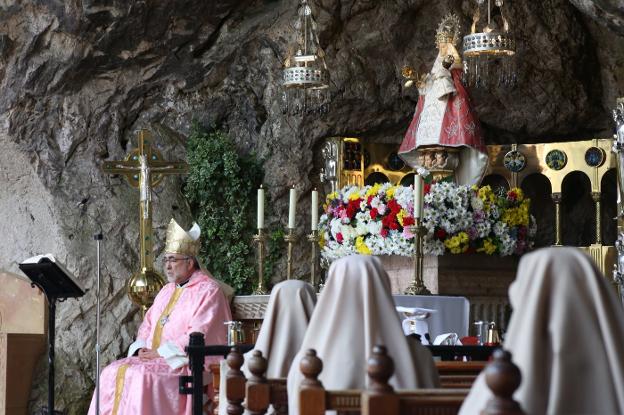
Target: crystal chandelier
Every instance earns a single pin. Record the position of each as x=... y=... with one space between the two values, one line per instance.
x=489 y=54
x=306 y=79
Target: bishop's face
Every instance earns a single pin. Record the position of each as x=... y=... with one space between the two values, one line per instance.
x=178 y=267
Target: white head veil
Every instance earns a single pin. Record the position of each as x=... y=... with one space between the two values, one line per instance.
x=566 y=335
x=354 y=313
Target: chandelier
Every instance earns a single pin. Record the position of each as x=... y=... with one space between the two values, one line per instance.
x=489 y=53
x=306 y=79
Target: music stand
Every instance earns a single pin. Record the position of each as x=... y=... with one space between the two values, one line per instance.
x=57 y=284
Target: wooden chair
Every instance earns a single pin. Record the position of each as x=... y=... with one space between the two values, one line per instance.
x=454 y=374
x=258 y=392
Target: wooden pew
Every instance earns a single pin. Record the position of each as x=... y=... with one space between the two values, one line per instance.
x=258 y=392
x=454 y=374
x=315 y=400
x=502 y=376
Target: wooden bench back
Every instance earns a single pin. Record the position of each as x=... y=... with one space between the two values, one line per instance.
x=502 y=377
x=458 y=375
x=259 y=392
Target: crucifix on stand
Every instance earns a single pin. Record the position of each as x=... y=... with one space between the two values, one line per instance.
x=144 y=168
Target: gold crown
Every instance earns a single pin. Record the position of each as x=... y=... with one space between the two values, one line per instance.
x=449 y=30
x=182 y=242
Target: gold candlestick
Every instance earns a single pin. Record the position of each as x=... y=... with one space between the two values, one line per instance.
x=290 y=238
x=418 y=286
x=314 y=239
x=260 y=239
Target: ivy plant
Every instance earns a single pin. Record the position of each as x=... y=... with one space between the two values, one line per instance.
x=221 y=191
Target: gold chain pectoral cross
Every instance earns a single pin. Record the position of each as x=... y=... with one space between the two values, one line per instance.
x=144 y=168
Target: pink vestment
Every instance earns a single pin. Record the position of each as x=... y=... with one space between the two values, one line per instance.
x=151 y=386
x=444 y=117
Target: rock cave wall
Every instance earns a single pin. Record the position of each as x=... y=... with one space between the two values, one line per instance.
x=78 y=78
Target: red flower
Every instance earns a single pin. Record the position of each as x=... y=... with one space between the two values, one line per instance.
x=390 y=222
x=408 y=220
x=512 y=195
x=353 y=207
x=394 y=206
x=384 y=232
x=440 y=233
x=373 y=213
x=369 y=200
x=339 y=237
x=427 y=187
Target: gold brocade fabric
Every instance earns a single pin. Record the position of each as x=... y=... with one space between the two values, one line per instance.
x=119 y=383
x=164 y=317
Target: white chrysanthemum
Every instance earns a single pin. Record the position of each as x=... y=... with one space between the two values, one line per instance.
x=476 y=203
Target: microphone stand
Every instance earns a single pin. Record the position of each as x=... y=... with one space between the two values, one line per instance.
x=98 y=238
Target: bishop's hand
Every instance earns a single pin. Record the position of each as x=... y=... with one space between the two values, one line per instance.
x=148 y=354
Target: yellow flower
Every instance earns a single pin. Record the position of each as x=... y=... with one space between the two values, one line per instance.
x=519 y=193
x=361 y=246
x=373 y=190
x=488 y=247
x=321 y=240
x=400 y=216
x=354 y=196
x=390 y=192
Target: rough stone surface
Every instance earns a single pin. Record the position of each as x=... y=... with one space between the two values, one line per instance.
x=79 y=77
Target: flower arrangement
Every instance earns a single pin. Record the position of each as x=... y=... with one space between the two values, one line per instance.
x=376 y=220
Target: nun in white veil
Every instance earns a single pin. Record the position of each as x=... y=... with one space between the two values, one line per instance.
x=356 y=312
x=566 y=334
x=285 y=322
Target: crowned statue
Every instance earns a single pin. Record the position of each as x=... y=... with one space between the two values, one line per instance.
x=445 y=134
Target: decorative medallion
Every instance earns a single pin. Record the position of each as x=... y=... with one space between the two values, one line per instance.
x=556 y=159
x=395 y=162
x=514 y=161
x=595 y=156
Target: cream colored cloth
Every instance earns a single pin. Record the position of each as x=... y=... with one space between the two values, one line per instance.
x=566 y=335
x=285 y=322
x=356 y=312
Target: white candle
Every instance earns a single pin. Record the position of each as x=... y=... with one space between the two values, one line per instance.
x=260 y=208
x=314 y=210
x=291 y=208
x=418 y=196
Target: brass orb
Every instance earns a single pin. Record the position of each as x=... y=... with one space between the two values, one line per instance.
x=143 y=286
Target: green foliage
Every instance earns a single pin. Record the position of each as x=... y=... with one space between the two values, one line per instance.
x=275 y=246
x=221 y=190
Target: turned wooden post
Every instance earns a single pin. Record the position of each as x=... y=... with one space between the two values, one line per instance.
x=311 y=391
x=503 y=378
x=257 y=390
x=235 y=381
x=380 y=398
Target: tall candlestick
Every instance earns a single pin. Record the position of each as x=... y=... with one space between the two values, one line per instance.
x=418 y=196
x=261 y=208
x=292 y=207
x=314 y=226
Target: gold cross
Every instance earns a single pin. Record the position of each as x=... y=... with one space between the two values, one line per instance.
x=145 y=168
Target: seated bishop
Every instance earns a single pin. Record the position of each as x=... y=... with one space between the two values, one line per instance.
x=146 y=382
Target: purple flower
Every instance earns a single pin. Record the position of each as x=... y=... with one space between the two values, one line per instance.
x=472 y=233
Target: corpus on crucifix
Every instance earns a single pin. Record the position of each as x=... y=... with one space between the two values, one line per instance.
x=144 y=168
